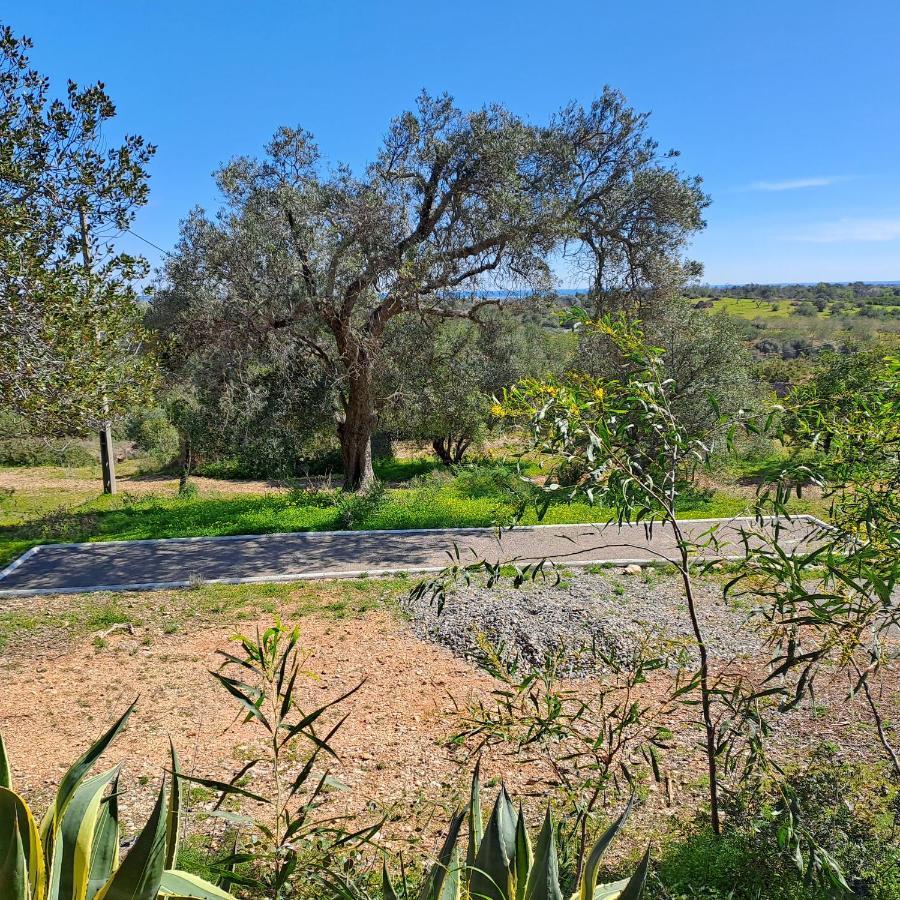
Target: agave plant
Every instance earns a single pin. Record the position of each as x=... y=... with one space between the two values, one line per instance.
x=502 y=864
x=74 y=853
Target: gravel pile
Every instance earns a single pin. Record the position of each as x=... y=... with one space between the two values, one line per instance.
x=612 y=611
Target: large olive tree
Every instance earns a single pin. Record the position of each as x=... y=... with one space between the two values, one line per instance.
x=310 y=262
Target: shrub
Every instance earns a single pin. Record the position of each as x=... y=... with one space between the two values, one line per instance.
x=33 y=451
x=74 y=854
x=154 y=434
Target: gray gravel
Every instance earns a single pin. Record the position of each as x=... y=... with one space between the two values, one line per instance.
x=612 y=611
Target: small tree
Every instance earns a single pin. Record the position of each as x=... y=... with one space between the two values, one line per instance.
x=72 y=350
x=440 y=381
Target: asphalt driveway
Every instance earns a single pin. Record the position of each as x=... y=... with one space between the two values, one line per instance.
x=179 y=562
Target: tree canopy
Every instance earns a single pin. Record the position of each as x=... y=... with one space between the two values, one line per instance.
x=71 y=341
x=310 y=264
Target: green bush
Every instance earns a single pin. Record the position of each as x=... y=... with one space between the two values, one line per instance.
x=154 y=434
x=850 y=810
x=34 y=451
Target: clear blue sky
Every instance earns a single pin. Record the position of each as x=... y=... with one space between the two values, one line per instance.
x=790 y=110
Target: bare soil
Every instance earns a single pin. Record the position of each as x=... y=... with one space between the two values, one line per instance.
x=59 y=690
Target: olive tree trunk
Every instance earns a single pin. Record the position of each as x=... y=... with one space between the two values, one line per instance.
x=355 y=434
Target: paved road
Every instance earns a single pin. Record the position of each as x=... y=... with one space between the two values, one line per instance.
x=145 y=565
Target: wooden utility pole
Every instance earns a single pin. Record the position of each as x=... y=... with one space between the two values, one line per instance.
x=107 y=455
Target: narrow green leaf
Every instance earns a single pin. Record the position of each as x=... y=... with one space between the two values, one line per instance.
x=72 y=779
x=387 y=889
x=592 y=866
x=634 y=886
x=476 y=823
x=183 y=884
x=543 y=880
x=19 y=835
x=140 y=874
x=5 y=770
x=105 y=850
x=433 y=885
x=524 y=857
x=492 y=873
x=173 y=817
x=69 y=873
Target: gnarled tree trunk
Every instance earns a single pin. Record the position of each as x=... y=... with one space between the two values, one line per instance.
x=355 y=434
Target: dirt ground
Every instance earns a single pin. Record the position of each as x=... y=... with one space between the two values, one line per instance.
x=77 y=481
x=59 y=689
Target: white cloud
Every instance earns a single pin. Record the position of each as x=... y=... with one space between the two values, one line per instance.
x=793 y=184
x=849 y=230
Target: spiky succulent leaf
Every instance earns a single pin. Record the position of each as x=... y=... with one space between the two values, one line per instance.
x=543 y=879
x=177 y=884
x=71 y=864
x=70 y=781
x=5 y=770
x=524 y=856
x=592 y=866
x=451 y=886
x=21 y=855
x=387 y=888
x=492 y=876
x=476 y=823
x=173 y=818
x=105 y=850
x=635 y=886
x=433 y=885
x=140 y=875
x=628 y=888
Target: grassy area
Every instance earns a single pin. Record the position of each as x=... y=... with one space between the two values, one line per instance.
x=477 y=497
x=172 y=611
x=748 y=308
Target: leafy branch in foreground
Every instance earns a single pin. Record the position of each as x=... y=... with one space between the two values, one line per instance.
x=589 y=737
x=291 y=829
x=500 y=862
x=832 y=604
x=619 y=442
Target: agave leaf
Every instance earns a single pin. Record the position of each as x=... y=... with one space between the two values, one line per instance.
x=387 y=889
x=13 y=869
x=433 y=886
x=592 y=866
x=476 y=823
x=173 y=817
x=543 y=879
x=105 y=851
x=493 y=871
x=19 y=834
x=72 y=779
x=182 y=884
x=5 y=771
x=451 y=886
x=610 y=891
x=70 y=867
x=524 y=856
x=628 y=888
x=140 y=875
x=635 y=886
x=21 y=859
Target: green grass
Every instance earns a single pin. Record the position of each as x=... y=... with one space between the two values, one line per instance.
x=58 y=516
x=747 y=308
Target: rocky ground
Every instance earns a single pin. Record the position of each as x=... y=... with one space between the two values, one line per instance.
x=610 y=610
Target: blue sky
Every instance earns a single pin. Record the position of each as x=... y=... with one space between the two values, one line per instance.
x=789 y=110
